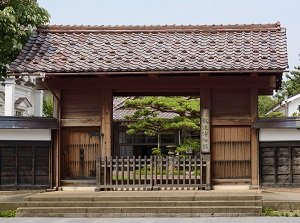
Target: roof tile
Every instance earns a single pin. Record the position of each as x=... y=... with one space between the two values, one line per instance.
x=154 y=48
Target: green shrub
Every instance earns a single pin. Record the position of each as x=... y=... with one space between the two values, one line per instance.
x=268 y=212
x=7 y=214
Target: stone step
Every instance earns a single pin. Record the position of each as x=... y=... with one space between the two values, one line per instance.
x=148 y=198
x=240 y=203
x=138 y=211
x=142 y=204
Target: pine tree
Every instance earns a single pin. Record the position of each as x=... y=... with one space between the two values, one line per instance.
x=150 y=117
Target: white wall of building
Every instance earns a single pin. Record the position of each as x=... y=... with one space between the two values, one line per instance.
x=293 y=104
x=279 y=135
x=24 y=88
x=25 y=134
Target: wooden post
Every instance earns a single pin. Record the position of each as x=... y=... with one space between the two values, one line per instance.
x=254 y=139
x=57 y=141
x=207 y=159
x=106 y=114
x=106 y=110
x=205 y=103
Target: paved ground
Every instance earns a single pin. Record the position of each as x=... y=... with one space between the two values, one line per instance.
x=268 y=195
x=155 y=220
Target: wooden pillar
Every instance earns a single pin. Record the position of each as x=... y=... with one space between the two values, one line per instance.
x=254 y=140
x=205 y=103
x=57 y=147
x=106 y=112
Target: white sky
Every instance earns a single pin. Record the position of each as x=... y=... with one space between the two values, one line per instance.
x=195 y=12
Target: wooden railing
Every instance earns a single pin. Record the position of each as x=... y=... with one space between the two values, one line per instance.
x=151 y=173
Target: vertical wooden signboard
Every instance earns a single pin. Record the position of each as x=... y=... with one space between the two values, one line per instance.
x=205 y=130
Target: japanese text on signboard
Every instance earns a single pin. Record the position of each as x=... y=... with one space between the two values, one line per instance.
x=205 y=131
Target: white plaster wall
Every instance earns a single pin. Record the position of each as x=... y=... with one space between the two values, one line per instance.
x=21 y=91
x=25 y=134
x=293 y=106
x=279 y=135
x=25 y=92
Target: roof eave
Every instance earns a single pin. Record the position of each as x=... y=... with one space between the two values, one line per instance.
x=36 y=73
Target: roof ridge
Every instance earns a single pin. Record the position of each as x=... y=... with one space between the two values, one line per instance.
x=159 y=28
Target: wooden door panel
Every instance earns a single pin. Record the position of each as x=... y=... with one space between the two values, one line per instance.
x=231 y=152
x=81 y=147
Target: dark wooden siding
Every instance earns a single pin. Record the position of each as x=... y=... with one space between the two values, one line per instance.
x=280 y=164
x=230 y=103
x=25 y=164
x=80 y=104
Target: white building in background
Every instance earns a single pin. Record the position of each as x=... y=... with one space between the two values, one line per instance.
x=288 y=107
x=19 y=97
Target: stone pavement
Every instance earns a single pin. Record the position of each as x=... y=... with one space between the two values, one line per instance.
x=156 y=220
x=10 y=200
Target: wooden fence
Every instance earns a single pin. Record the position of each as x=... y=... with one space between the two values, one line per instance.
x=152 y=173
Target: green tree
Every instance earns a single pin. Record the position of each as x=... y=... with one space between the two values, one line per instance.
x=265 y=103
x=48 y=106
x=18 y=18
x=184 y=115
x=291 y=86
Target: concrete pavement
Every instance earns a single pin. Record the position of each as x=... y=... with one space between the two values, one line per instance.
x=156 y=220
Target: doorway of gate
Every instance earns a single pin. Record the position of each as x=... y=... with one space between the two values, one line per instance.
x=80 y=147
x=231 y=155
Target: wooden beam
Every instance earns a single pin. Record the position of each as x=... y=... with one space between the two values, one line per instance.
x=254 y=139
x=231 y=122
x=102 y=76
x=106 y=113
x=153 y=75
x=80 y=122
x=166 y=82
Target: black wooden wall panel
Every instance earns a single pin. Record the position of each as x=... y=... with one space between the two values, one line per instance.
x=25 y=164
x=280 y=164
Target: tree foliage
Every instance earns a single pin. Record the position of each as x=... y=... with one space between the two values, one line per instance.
x=183 y=114
x=48 y=106
x=265 y=103
x=291 y=86
x=17 y=20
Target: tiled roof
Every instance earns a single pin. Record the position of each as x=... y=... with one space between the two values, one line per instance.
x=72 y=49
x=13 y=122
x=277 y=123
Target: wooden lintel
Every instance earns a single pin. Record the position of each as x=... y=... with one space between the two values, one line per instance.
x=193 y=84
x=102 y=76
x=153 y=75
x=53 y=77
x=231 y=122
x=203 y=75
x=80 y=122
x=254 y=74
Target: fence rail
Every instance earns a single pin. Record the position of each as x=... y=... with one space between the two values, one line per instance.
x=151 y=173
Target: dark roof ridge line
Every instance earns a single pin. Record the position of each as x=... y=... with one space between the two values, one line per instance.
x=172 y=28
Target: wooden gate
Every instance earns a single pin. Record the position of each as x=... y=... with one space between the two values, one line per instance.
x=231 y=152
x=80 y=149
x=153 y=172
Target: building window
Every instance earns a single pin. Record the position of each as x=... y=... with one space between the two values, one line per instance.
x=126 y=150
x=19 y=113
x=125 y=138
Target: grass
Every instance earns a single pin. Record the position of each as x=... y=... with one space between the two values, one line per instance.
x=269 y=212
x=8 y=214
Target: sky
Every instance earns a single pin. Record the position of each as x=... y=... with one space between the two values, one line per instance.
x=181 y=12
